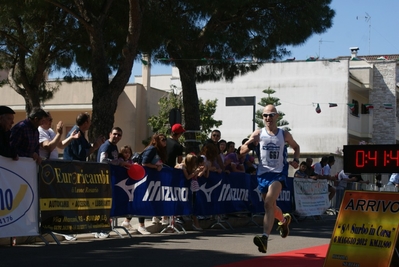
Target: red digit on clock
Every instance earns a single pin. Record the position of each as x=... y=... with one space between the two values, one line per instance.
x=360 y=158
x=394 y=157
x=372 y=157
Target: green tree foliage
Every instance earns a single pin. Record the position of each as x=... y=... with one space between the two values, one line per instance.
x=109 y=32
x=99 y=36
x=208 y=40
x=270 y=100
x=34 y=37
x=160 y=123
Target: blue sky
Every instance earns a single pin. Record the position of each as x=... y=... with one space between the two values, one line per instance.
x=371 y=25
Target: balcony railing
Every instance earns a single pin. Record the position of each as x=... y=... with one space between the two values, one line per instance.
x=361 y=126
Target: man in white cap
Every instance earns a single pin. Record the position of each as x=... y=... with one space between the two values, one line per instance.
x=174 y=149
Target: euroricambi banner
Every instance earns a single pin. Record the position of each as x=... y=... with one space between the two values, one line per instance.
x=75 y=197
x=366 y=230
x=18 y=198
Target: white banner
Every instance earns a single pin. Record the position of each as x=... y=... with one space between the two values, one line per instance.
x=311 y=196
x=18 y=198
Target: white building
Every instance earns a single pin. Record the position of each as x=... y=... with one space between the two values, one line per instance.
x=347 y=82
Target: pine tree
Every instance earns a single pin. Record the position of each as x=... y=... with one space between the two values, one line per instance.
x=160 y=123
x=210 y=40
x=270 y=100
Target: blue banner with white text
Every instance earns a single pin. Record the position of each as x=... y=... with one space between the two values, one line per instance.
x=167 y=193
x=159 y=193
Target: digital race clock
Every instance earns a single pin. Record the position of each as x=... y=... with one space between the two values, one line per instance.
x=371 y=158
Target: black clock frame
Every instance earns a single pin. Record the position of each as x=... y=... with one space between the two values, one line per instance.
x=371 y=158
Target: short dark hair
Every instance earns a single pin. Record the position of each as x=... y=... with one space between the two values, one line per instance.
x=38 y=113
x=82 y=118
x=229 y=143
x=116 y=129
x=324 y=159
x=215 y=131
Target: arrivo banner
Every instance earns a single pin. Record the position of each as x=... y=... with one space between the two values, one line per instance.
x=366 y=230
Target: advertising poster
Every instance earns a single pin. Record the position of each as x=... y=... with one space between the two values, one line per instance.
x=18 y=198
x=158 y=193
x=366 y=230
x=311 y=196
x=75 y=197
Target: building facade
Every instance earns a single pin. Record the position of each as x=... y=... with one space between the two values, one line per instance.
x=135 y=105
x=357 y=97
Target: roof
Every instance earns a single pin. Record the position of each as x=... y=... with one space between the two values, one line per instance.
x=374 y=57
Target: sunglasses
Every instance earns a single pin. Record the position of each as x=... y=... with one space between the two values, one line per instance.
x=271 y=115
x=163 y=140
x=215 y=135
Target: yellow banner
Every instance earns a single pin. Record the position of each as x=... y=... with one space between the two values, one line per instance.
x=366 y=230
x=50 y=204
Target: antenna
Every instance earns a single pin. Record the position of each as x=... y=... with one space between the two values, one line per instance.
x=323 y=41
x=367 y=19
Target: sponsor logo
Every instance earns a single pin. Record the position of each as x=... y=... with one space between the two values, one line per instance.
x=16 y=197
x=129 y=189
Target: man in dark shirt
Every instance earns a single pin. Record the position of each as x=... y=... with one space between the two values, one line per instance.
x=174 y=149
x=309 y=169
x=80 y=148
x=25 y=135
x=108 y=151
x=6 y=122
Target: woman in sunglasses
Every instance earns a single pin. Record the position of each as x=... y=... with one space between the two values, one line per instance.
x=272 y=171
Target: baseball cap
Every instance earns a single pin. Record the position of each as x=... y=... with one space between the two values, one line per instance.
x=6 y=110
x=178 y=128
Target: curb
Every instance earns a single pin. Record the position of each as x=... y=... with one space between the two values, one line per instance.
x=233 y=221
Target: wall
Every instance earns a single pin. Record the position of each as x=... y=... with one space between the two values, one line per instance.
x=384 y=91
x=298 y=85
x=74 y=98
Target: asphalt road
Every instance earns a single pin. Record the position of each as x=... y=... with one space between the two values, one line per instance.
x=211 y=247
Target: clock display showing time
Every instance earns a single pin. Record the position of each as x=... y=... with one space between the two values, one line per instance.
x=371 y=158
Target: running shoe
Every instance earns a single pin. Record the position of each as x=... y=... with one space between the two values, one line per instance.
x=284 y=227
x=261 y=243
